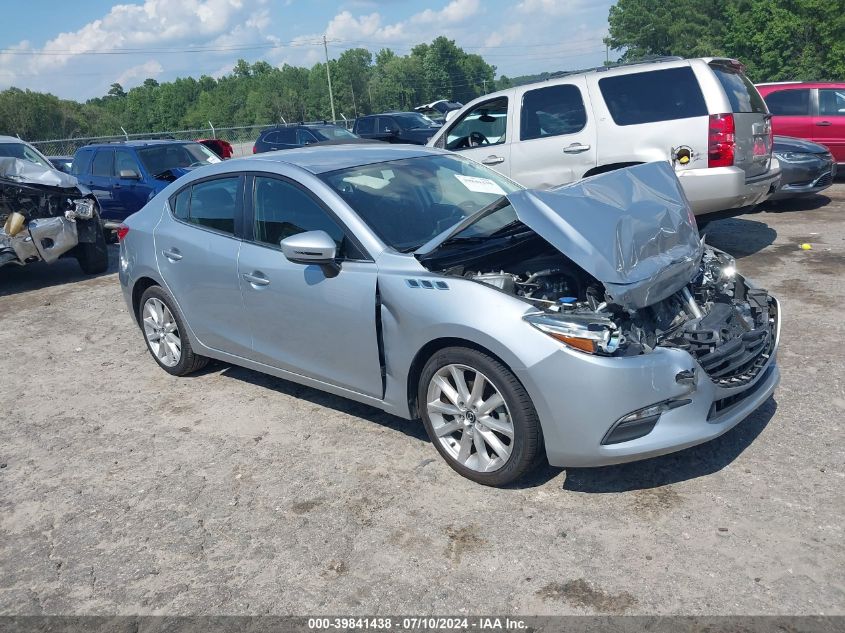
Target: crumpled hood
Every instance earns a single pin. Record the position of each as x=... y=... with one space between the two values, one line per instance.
x=632 y=229
x=26 y=171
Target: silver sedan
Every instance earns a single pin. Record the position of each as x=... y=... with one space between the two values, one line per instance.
x=586 y=325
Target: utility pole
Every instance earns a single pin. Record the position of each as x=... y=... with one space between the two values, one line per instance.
x=329 y=77
x=354 y=105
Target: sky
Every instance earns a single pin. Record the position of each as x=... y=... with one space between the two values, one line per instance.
x=76 y=50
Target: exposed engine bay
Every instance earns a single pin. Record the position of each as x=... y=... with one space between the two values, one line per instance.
x=726 y=325
x=44 y=215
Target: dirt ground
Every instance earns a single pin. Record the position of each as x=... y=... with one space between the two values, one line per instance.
x=124 y=490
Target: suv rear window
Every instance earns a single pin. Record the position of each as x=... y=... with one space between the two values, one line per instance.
x=648 y=97
x=741 y=92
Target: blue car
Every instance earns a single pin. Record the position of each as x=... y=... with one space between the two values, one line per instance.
x=124 y=175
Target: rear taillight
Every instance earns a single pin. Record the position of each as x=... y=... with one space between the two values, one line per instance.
x=721 y=141
x=254 y=149
x=122 y=230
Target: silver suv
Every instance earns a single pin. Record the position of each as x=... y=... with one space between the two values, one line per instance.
x=703 y=115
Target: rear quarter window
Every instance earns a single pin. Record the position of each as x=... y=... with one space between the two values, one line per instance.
x=740 y=91
x=648 y=97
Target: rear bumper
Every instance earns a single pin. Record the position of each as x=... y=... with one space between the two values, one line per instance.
x=722 y=188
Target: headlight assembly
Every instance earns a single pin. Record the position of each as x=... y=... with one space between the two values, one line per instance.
x=796 y=157
x=586 y=333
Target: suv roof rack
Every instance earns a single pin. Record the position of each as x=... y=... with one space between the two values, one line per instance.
x=648 y=59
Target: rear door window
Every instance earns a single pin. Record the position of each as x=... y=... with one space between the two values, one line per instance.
x=214 y=204
x=552 y=111
x=103 y=163
x=648 y=97
x=741 y=92
x=385 y=124
x=365 y=125
x=304 y=137
x=789 y=102
x=285 y=137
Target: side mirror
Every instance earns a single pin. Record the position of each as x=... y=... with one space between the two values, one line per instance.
x=130 y=174
x=311 y=247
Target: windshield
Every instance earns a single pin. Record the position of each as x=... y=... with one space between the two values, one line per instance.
x=408 y=202
x=159 y=158
x=331 y=132
x=25 y=152
x=413 y=120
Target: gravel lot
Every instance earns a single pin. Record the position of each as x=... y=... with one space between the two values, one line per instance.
x=124 y=490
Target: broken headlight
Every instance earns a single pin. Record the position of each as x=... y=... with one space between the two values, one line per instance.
x=584 y=332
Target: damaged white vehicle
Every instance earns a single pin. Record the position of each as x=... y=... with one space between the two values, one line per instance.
x=588 y=325
x=46 y=214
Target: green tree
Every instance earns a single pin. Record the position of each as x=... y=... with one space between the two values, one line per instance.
x=776 y=39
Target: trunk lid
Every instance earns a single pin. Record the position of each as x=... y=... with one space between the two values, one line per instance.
x=631 y=229
x=752 y=121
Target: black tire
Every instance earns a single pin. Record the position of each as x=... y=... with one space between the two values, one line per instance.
x=189 y=362
x=93 y=257
x=527 y=451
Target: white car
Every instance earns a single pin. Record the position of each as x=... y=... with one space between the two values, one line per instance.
x=703 y=115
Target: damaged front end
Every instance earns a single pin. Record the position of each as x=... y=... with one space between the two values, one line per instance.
x=44 y=214
x=614 y=266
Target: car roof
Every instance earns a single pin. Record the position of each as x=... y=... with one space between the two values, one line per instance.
x=801 y=84
x=138 y=143
x=326 y=158
x=11 y=139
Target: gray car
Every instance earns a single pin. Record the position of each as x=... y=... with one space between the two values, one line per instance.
x=587 y=325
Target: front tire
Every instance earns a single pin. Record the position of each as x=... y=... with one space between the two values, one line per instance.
x=166 y=335
x=93 y=257
x=479 y=416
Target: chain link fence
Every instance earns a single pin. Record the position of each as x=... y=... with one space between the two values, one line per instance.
x=241 y=138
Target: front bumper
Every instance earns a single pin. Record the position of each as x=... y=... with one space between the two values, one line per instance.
x=805 y=178
x=576 y=419
x=723 y=188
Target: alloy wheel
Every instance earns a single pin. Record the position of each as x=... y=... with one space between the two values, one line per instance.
x=470 y=418
x=162 y=332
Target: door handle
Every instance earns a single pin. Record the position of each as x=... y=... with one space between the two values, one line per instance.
x=575 y=148
x=172 y=254
x=493 y=160
x=256 y=279
x=823 y=123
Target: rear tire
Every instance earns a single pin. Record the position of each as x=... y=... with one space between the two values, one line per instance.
x=479 y=416
x=166 y=335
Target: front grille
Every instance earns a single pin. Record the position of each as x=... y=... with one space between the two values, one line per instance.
x=824 y=180
x=740 y=359
x=720 y=407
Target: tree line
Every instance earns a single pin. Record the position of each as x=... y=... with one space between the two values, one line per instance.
x=776 y=39
x=259 y=93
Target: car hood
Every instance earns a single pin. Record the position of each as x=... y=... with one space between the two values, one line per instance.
x=792 y=144
x=631 y=229
x=20 y=170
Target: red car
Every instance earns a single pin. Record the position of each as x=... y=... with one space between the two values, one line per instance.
x=810 y=110
x=217 y=145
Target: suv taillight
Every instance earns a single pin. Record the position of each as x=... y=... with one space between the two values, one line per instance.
x=721 y=141
x=122 y=230
x=255 y=149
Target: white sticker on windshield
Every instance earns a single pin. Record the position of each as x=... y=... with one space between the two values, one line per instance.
x=480 y=185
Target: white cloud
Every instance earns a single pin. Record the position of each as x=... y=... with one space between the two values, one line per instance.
x=553 y=7
x=150 y=68
x=130 y=27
